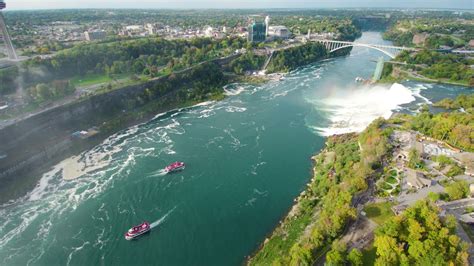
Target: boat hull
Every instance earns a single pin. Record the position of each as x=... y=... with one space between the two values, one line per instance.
x=175 y=169
x=134 y=236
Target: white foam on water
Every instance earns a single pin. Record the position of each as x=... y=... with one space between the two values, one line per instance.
x=75 y=250
x=53 y=197
x=159 y=172
x=233 y=109
x=204 y=103
x=233 y=91
x=417 y=92
x=352 y=110
x=162 y=219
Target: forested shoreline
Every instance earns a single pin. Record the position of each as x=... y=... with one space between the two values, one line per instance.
x=343 y=170
x=322 y=211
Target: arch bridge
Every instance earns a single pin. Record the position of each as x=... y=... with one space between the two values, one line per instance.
x=391 y=51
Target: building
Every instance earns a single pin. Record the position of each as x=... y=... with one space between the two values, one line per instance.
x=471 y=43
x=417 y=179
x=151 y=29
x=95 y=35
x=267 y=25
x=279 y=32
x=208 y=31
x=257 y=32
x=133 y=30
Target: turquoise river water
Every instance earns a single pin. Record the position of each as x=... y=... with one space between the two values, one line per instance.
x=247 y=158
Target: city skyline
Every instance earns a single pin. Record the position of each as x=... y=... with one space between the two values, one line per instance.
x=201 y=4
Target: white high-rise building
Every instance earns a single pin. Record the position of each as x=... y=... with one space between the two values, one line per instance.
x=267 y=25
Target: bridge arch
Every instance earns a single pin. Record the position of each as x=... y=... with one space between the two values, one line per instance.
x=363 y=45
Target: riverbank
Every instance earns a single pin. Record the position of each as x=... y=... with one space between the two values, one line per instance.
x=396 y=74
x=323 y=210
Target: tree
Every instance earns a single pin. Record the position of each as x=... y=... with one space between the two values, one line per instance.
x=355 y=257
x=433 y=196
x=337 y=255
x=421 y=238
x=388 y=250
x=43 y=92
x=299 y=255
x=457 y=190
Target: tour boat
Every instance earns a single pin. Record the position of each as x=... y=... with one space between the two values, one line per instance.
x=137 y=231
x=176 y=166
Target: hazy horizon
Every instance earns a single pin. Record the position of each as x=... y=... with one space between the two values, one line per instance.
x=246 y=4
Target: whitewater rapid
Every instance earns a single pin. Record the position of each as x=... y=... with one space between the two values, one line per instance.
x=352 y=108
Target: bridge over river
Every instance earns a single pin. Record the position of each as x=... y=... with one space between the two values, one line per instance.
x=392 y=51
x=333 y=45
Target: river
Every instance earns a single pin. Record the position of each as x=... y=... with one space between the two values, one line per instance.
x=247 y=158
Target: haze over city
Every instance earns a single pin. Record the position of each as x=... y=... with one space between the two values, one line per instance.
x=60 y=4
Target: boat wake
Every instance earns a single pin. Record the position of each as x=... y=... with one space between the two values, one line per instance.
x=162 y=219
x=160 y=172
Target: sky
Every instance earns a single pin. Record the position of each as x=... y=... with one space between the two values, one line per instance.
x=54 y=4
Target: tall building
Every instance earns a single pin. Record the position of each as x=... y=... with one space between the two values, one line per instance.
x=95 y=35
x=267 y=25
x=257 y=32
x=6 y=37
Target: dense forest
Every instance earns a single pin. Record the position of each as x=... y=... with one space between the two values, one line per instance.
x=140 y=56
x=247 y=62
x=454 y=127
x=202 y=82
x=436 y=65
x=150 y=57
x=289 y=59
x=420 y=237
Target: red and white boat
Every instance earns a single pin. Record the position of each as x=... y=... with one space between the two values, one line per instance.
x=137 y=231
x=176 y=166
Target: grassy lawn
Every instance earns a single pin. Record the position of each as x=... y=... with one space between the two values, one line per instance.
x=393 y=173
x=391 y=180
x=386 y=186
x=95 y=79
x=368 y=256
x=379 y=212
